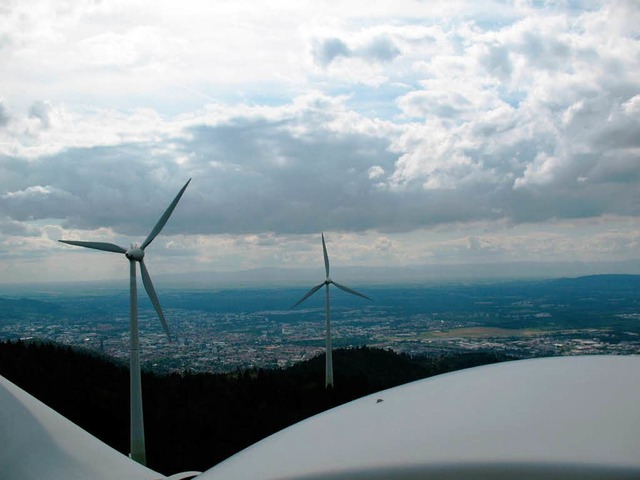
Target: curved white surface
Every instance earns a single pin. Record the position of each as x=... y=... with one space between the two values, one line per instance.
x=564 y=417
x=38 y=443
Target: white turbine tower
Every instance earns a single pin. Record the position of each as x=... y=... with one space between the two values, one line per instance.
x=136 y=254
x=326 y=283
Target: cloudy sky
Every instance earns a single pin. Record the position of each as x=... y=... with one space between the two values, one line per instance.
x=410 y=132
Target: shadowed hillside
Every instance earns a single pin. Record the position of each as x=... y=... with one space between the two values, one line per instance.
x=194 y=421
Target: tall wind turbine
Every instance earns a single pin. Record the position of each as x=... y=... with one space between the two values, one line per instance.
x=328 y=281
x=136 y=254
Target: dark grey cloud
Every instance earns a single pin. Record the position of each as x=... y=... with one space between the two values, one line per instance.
x=4 y=115
x=37 y=201
x=248 y=176
x=16 y=228
x=497 y=61
x=302 y=174
x=380 y=48
x=545 y=51
x=261 y=177
x=252 y=176
x=115 y=187
x=41 y=111
x=327 y=50
x=538 y=204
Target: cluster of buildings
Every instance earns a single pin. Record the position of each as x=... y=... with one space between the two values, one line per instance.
x=222 y=342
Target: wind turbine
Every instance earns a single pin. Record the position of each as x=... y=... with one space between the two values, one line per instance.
x=136 y=254
x=328 y=281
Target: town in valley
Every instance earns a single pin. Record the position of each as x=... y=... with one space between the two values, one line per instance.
x=229 y=329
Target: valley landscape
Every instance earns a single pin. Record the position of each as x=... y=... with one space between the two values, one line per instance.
x=226 y=329
x=244 y=365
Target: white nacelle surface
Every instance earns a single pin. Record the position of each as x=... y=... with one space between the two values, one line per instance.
x=561 y=418
x=38 y=443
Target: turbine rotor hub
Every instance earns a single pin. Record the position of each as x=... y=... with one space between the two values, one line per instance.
x=135 y=253
x=328 y=281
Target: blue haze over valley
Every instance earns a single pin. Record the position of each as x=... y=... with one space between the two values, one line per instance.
x=245 y=324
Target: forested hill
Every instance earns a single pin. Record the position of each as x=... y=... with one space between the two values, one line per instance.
x=194 y=421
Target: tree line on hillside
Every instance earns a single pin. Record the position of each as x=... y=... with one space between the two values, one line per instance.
x=195 y=420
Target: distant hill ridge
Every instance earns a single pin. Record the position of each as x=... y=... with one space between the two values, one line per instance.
x=602 y=281
x=194 y=420
x=413 y=275
x=408 y=274
x=69 y=301
x=12 y=306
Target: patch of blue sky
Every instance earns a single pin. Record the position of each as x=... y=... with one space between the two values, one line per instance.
x=576 y=6
x=373 y=102
x=265 y=98
x=186 y=98
x=512 y=97
x=167 y=103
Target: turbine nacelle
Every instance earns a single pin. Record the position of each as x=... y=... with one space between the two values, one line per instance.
x=135 y=253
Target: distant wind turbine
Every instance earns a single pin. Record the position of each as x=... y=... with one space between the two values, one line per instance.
x=136 y=254
x=326 y=283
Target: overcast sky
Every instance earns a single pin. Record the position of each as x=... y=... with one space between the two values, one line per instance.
x=410 y=132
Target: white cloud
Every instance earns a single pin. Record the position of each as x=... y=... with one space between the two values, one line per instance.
x=376 y=172
x=298 y=117
x=4 y=115
x=36 y=191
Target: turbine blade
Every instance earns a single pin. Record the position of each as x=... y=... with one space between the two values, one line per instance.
x=164 y=218
x=308 y=294
x=148 y=286
x=107 y=247
x=326 y=257
x=349 y=290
